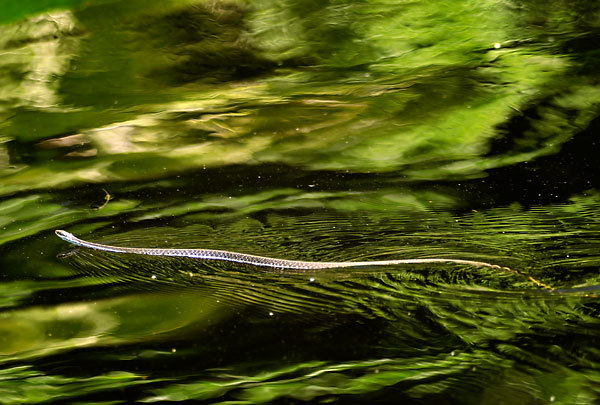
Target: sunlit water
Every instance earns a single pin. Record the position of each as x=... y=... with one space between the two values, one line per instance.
x=341 y=131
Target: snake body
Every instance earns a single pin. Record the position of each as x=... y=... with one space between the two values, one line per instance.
x=222 y=255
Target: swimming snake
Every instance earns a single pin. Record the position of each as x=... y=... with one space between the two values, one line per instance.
x=210 y=254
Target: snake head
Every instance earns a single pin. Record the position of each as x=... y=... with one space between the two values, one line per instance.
x=63 y=234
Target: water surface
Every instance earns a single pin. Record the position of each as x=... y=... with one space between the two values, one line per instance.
x=330 y=131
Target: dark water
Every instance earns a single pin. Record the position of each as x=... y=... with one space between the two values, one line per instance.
x=324 y=131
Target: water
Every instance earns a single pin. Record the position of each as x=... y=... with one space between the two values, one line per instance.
x=331 y=131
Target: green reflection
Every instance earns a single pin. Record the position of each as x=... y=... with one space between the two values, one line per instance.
x=25 y=385
x=15 y=11
x=389 y=94
x=43 y=331
x=419 y=378
x=20 y=217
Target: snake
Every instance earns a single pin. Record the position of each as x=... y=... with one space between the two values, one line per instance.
x=283 y=264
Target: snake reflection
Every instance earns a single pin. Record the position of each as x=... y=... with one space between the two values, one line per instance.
x=283 y=264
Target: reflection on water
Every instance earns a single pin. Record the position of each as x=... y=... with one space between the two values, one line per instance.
x=290 y=129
